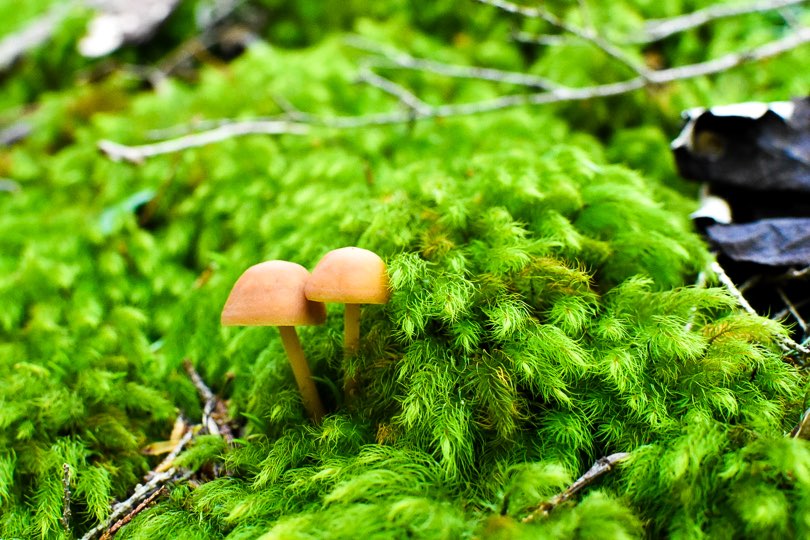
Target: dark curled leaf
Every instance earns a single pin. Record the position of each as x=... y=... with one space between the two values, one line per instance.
x=759 y=146
x=772 y=242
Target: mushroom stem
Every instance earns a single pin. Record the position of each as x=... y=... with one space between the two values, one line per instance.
x=351 y=342
x=303 y=376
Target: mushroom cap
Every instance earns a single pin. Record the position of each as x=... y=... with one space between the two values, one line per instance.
x=272 y=294
x=349 y=275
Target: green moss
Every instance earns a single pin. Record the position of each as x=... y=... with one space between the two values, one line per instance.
x=541 y=316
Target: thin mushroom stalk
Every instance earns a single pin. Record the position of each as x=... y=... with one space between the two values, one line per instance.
x=350 y=276
x=272 y=294
x=301 y=372
x=351 y=343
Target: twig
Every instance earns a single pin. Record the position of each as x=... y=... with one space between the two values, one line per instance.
x=392 y=58
x=215 y=413
x=584 y=34
x=34 y=34
x=405 y=96
x=547 y=40
x=656 y=30
x=785 y=312
x=8 y=185
x=109 y=533
x=699 y=284
x=600 y=468
x=230 y=129
x=802 y=429
x=136 y=154
x=66 y=513
x=785 y=343
x=792 y=309
x=142 y=491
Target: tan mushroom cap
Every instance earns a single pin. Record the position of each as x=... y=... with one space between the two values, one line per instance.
x=349 y=275
x=272 y=294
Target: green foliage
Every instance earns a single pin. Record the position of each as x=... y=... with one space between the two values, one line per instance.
x=541 y=314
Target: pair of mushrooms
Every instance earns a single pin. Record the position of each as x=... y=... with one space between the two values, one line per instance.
x=286 y=295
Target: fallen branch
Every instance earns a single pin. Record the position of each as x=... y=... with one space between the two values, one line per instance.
x=136 y=154
x=586 y=35
x=656 y=30
x=215 y=413
x=785 y=343
x=109 y=533
x=143 y=491
x=300 y=123
x=600 y=468
x=66 y=512
x=33 y=35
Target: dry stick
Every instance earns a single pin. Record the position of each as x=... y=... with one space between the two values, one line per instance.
x=227 y=130
x=109 y=533
x=215 y=412
x=699 y=284
x=141 y=491
x=802 y=429
x=34 y=34
x=66 y=513
x=139 y=153
x=405 y=96
x=586 y=35
x=785 y=343
x=391 y=58
x=601 y=467
x=792 y=309
x=656 y=30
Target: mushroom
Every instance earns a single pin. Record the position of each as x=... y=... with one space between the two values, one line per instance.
x=272 y=294
x=350 y=276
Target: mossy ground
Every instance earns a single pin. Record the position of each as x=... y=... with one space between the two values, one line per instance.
x=542 y=313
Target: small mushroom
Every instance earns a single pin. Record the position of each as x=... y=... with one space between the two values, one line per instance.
x=350 y=276
x=272 y=294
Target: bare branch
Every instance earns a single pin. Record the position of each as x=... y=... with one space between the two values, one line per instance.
x=109 y=533
x=214 y=411
x=66 y=512
x=394 y=59
x=802 y=429
x=792 y=309
x=656 y=30
x=136 y=154
x=587 y=35
x=600 y=468
x=785 y=343
x=142 y=492
x=547 y=40
x=304 y=121
x=405 y=96
x=33 y=35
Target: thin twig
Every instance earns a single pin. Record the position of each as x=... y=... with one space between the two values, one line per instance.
x=802 y=429
x=394 y=59
x=699 y=284
x=230 y=129
x=34 y=34
x=142 y=491
x=109 y=533
x=785 y=343
x=546 y=40
x=215 y=413
x=405 y=96
x=655 y=30
x=600 y=468
x=587 y=35
x=136 y=154
x=792 y=309
x=779 y=315
x=66 y=512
